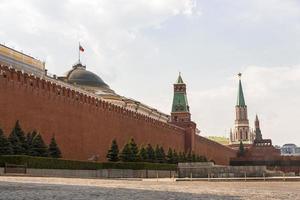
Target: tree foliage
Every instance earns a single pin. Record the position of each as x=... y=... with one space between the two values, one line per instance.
x=126 y=153
x=134 y=150
x=17 y=140
x=170 y=156
x=5 y=148
x=38 y=148
x=150 y=153
x=159 y=154
x=53 y=149
x=143 y=154
x=113 y=152
x=31 y=144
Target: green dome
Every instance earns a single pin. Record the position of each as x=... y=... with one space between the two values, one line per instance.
x=82 y=77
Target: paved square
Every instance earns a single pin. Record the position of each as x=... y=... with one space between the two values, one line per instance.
x=36 y=188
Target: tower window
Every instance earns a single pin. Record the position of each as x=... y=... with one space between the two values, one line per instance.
x=175 y=118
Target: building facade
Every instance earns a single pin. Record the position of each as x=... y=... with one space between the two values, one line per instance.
x=85 y=114
x=290 y=150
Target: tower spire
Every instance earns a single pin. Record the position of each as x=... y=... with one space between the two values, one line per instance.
x=179 y=79
x=241 y=130
x=258 y=135
x=180 y=102
x=240 y=96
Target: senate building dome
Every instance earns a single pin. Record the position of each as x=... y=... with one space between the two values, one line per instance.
x=88 y=80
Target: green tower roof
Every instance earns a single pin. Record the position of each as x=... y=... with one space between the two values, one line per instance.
x=240 y=97
x=179 y=79
x=180 y=102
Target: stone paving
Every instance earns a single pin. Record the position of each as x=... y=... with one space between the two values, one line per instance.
x=36 y=188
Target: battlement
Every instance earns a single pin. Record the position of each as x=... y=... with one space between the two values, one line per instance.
x=61 y=89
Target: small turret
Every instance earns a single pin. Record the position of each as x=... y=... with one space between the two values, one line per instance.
x=258 y=135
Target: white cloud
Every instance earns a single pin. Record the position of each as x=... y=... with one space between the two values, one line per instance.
x=106 y=26
x=138 y=46
x=271 y=92
x=261 y=11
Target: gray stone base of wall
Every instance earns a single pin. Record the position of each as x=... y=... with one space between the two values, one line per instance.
x=103 y=173
x=209 y=170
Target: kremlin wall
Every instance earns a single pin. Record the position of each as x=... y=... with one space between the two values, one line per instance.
x=85 y=115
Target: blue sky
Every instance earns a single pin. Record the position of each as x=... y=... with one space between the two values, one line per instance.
x=139 y=46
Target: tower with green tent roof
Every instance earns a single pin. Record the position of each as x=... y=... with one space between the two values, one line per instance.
x=180 y=107
x=180 y=114
x=241 y=131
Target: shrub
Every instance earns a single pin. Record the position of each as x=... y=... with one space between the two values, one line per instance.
x=52 y=163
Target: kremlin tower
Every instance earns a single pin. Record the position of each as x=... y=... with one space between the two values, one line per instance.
x=180 y=109
x=241 y=131
x=180 y=114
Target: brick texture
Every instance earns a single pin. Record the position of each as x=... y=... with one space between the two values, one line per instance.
x=84 y=126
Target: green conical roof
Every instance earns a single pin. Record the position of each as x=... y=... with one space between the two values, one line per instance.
x=180 y=102
x=240 y=97
x=179 y=79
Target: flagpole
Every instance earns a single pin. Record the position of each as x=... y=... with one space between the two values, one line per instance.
x=79 y=53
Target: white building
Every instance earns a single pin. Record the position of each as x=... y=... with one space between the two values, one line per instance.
x=290 y=150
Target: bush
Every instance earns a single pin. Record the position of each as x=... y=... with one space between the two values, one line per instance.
x=52 y=163
x=48 y=163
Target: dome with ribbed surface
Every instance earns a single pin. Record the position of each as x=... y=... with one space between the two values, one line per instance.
x=82 y=77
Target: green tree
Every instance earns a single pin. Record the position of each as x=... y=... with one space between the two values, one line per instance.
x=202 y=159
x=5 y=148
x=184 y=157
x=113 y=152
x=17 y=140
x=53 y=149
x=134 y=150
x=189 y=157
x=159 y=154
x=175 y=157
x=170 y=158
x=163 y=154
x=143 y=154
x=29 y=140
x=39 y=148
x=150 y=153
x=181 y=157
x=126 y=153
x=241 y=151
x=194 y=159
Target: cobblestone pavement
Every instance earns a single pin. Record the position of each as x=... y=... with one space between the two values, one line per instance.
x=36 y=188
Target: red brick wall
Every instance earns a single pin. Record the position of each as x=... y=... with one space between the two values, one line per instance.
x=220 y=154
x=84 y=126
